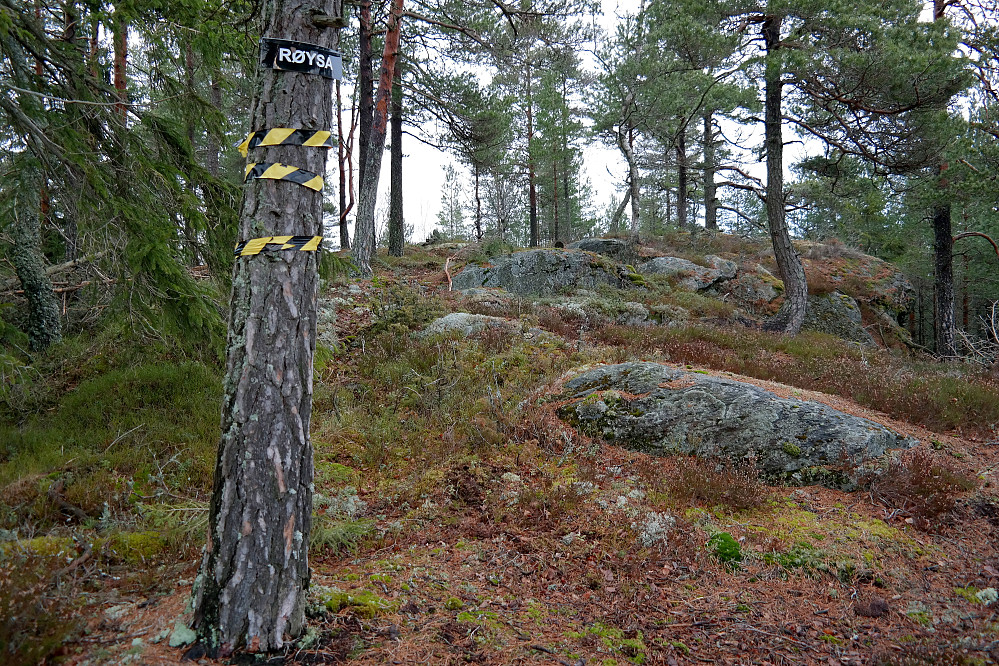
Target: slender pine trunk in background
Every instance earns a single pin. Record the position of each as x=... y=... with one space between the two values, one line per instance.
x=710 y=189
x=532 y=185
x=252 y=586
x=366 y=104
x=342 y=171
x=368 y=190
x=478 y=207
x=397 y=231
x=624 y=142
x=681 y=179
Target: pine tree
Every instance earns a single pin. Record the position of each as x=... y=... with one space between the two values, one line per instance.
x=251 y=589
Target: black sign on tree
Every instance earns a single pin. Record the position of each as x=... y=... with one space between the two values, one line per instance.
x=302 y=57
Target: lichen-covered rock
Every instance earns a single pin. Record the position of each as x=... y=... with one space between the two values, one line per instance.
x=621 y=251
x=836 y=314
x=544 y=273
x=464 y=323
x=660 y=410
x=693 y=276
x=326 y=324
x=596 y=311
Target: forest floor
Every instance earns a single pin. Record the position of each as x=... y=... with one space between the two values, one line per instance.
x=459 y=521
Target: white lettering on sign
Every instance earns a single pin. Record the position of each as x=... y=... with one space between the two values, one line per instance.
x=302 y=57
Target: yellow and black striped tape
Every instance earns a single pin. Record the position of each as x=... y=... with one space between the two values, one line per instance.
x=278 y=171
x=286 y=136
x=277 y=243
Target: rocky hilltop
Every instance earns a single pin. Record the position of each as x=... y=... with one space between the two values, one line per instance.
x=583 y=455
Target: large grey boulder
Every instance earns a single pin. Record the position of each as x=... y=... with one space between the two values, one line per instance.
x=660 y=410
x=693 y=276
x=837 y=314
x=545 y=273
x=621 y=251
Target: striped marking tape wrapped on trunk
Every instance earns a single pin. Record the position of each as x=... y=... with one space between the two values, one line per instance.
x=286 y=136
x=276 y=244
x=278 y=171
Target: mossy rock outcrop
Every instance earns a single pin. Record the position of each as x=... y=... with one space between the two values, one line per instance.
x=692 y=276
x=660 y=410
x=837 y=314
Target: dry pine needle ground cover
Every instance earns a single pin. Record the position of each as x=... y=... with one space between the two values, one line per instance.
x=485 y=531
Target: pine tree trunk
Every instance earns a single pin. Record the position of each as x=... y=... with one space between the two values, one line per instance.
x=44 y=325
x=791 y=315
x=532 y=193
x=943 y=251
x=681 y=179
x=478 y=208
x=367 y=196
x=624 y=142
x=555 y=231
x=213 y=146
x=710 y=189
x=615 y=223
x=397 y=231
x=120 y=64
x=251 y=589
x=342 y=171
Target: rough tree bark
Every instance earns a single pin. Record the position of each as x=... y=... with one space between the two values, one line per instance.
x=710 y=189
x=791 y=315
x=44 y=326
x=251 y=589
x=367 y=196
x=397 y=231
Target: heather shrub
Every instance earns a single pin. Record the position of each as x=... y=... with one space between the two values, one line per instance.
x=920 y=486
